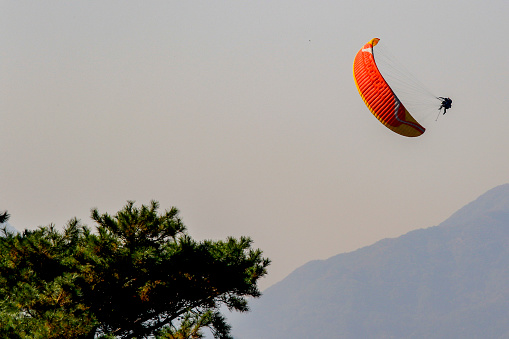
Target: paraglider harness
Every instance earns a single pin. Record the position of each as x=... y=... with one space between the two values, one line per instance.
x=446 y=103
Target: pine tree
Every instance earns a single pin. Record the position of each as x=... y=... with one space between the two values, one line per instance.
x=4 y=217
x=139 y=274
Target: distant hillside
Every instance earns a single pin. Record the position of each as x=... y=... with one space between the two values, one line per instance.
x=9 y=228
x=447 y=281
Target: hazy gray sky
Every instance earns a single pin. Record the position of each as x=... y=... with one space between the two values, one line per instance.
x=245 y=116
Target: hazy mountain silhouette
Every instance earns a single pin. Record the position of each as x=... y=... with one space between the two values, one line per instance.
x=447 y=281
x=9 y=228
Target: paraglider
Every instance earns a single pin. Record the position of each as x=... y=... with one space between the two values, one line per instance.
x=380 y=98
x=446 y=104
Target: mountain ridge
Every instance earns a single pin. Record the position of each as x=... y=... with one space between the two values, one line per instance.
x=8 y=227
x=415 y=285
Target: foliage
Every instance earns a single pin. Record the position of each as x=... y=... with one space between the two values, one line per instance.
x=4 y=216
x=40 y=284
x=140 y=274
x=191 y=325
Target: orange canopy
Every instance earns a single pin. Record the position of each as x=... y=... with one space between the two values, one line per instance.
x=379 y=97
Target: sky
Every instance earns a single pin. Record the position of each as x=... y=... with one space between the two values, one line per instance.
x=244 y=115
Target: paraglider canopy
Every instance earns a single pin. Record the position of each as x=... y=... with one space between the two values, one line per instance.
x=378 y=95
